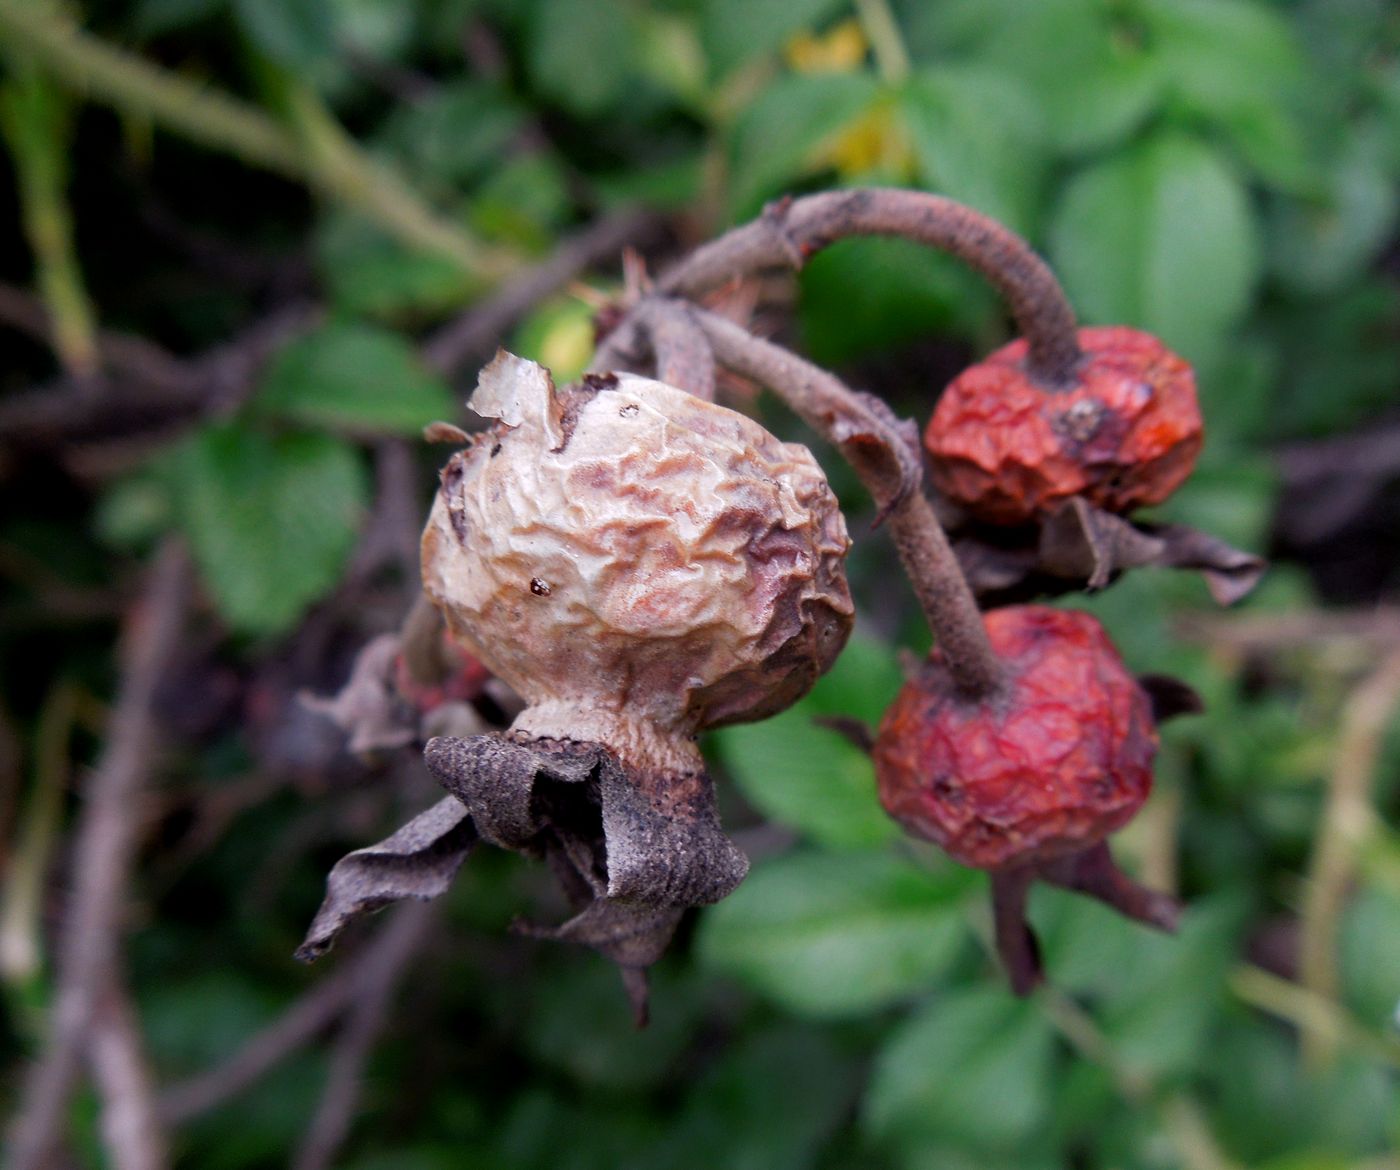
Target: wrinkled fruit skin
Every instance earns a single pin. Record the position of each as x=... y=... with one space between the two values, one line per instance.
x=636 y=563
x=1049 y=768
x=1125 y=435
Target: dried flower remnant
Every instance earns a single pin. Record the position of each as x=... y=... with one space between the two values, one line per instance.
x=1030 y=783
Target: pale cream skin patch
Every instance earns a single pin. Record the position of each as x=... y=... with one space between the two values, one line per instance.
x=637 y=563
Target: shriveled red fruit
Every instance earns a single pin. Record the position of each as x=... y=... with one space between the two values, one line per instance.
x=1124 y=435
x=1029 y=782
x=1057 y=762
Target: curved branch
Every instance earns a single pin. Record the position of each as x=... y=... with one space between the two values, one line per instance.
x=792 y=230
x=876 y=445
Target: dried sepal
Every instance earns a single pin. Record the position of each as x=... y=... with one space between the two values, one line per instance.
x=632 y=850
x=418 y=861
x=1078 y=546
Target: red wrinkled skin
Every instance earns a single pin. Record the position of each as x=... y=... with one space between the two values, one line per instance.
x=1049 y=768
x=1124 y=436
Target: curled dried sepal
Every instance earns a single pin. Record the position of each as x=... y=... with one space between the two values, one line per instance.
x=385 y=704
x=632 y=850
x=1079 y=546
x=418 y=861
x=650 y=839
x=368 y=707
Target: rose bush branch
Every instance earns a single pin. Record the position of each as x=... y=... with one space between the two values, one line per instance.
x=886 y=459
x=791 y=231
x=105 y=842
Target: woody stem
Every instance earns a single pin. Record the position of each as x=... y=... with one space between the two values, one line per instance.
x=790 y=231
x=885 y=454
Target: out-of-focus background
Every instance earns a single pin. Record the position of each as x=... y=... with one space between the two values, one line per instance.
x=252 y=246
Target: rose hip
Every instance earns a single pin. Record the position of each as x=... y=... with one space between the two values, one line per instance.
x=1030 y=782
x=1125 y=434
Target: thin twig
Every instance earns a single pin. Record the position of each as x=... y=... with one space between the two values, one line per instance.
x=104 y=842
x=681 y=352
x=1182 y=1120
x=881 y=29
x=791 y=231
x=476 y=332
x=155 y=393
x=121 y=353
x=1310 y=1013
x=20 y=950
x=1269 y=632
x=131 y=1132
x=316 y=152
x=37 y=123
x=336 y=1112
x=293 y=1029
x=1347 y=820
x=879 y=450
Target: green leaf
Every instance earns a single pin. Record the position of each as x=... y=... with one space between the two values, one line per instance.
x=270 y=519
x=838 y=934
x=1169 y=991
x=580 y=53
x=524 y=201
x=457 y=133
x=795 y=771
x=1223 y=55
x=767 y=1105
x=783 y=128
x=1160 y=236
x=1100 y=95
x=371 y=274
x=354 y=375
x=1370 y=956
x=1093 y=81
x=1316 y=246
x=154 y=18
x=1268 y=1107
x=297 y=33
x=977 y=135
x=1338 y=364
x=733 y=31
x=1236 y=63
x=907 y=292
x=973 y=1068
x=578 y=1021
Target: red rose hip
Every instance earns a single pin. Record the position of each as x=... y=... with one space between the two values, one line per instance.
x=1057 y=762
x=1029 y=782
x=1123 y=435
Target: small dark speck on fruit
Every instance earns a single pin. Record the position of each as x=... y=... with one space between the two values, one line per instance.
x=540 y=588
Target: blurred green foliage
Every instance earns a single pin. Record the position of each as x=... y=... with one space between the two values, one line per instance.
x=1222 y=172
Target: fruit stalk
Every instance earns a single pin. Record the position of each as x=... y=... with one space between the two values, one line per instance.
x=792 y=230
x=873 y=441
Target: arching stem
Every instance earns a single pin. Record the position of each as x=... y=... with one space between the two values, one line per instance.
x=792 y=230
x=887 y=460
